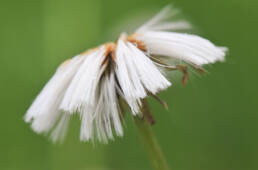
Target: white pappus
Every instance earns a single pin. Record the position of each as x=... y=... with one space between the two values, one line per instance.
x=92 y=84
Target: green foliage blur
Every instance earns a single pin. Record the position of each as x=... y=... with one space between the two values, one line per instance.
x=211 y=123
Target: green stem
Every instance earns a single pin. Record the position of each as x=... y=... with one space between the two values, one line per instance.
x=150 y=142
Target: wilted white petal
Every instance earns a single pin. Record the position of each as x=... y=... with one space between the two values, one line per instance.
x=159 y=23
x=150 y=76
x=61 y=128
x=190 y=48
x=177 y=25
x=137 y=75
x=111 y=102
x=44 y=111
x=106 y=113
x=128 y=77
x=83 y=86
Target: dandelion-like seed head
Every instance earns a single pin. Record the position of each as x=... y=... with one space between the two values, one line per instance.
x=95 y=84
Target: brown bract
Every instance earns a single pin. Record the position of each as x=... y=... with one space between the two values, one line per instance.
x=111 y=49
x=138 y=43
x=110 y=53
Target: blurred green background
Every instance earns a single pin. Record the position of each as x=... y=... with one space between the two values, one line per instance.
x=211 y=124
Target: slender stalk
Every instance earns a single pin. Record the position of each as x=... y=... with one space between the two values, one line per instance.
x=149 y=140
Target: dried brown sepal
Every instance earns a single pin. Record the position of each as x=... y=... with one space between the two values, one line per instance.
x=180 y=67
x=147 y=114
x=159 y=61
x=201 y=71
x=198 y=68
x=183 y=69
x=162 y=102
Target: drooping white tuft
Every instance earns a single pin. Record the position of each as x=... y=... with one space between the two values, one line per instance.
x=93 y=94
x=128 y=78
x=189 y=48
x=44 y=112
x=150 y=76
x=59 y=132
x=92 y=83
x=106 y=115
x=81 y=91
x=160 y=22
x=137 y=75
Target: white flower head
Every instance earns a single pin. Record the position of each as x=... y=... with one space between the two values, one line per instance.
x=94 y=83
